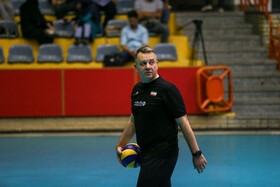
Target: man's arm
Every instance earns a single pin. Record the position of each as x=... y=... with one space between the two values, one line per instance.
x=200 y=162
x=142 y=14
x=131 y=52
x=128 y=133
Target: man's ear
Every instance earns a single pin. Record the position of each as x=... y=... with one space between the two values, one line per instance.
x=157 y=65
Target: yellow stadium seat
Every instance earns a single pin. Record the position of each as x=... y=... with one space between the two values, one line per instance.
x=182 y=45
x=64 y=43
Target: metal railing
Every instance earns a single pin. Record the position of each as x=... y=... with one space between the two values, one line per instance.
x=274 y=32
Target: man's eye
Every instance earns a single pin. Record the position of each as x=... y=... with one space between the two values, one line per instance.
x=151 y=62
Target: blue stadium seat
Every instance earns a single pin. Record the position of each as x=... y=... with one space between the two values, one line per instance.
x=50 y=53
x=166 y=52
x=20 y=53
x=79 y=53
x=45 y=7
x=64 y=30
x=118 y=22
x=105 y=49
x=117 y=26
x=2 y=57
x=11 y=28
x=124 y=6
x=16 y=4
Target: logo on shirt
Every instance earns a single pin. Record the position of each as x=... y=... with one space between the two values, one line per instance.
x=135 y=93
x=153 y=93
x=140 y=103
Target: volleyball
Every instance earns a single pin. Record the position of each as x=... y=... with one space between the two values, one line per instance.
x=130 y=155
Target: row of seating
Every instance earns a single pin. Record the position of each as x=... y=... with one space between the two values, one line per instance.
x=23 y=53
x=122 y=6
x=62 y=30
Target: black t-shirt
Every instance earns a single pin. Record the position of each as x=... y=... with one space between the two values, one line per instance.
x=155 y=106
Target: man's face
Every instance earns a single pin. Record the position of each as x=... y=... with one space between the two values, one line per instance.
x=133 y=22
x=147 y=66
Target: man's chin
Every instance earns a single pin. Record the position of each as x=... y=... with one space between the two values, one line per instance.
x=148 y=75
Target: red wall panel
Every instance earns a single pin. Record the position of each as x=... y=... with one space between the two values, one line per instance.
x=98 y=92
x=30 y=93
x=27 y=93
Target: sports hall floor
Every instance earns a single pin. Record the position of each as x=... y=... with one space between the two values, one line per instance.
x=235 y=159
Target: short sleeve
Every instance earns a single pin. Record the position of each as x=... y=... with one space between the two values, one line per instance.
x=174 y=102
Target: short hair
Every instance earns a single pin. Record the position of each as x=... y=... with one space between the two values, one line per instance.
x=145 y=50
x=132 y=14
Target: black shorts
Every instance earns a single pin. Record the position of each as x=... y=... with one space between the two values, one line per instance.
x=156 y=172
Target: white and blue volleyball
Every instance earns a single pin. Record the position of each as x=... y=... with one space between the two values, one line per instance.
x=130 y=155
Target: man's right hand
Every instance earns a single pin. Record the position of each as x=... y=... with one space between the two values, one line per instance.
x=119 y=152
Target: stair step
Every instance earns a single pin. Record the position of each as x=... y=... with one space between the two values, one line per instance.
x=256 y=49
x=258 y=116
x=225 y=54
x=209 y=22
x=249 y=85
x=254 y=89
x=210 y=18
x=229 y=37
x=261 y=96
x=262 y=82
x=273 y=111
x=227 y=43
x=259 y=101
x=220 y=31
x=218 y=26
x=244 y=69
x=249 y=98
x=256 y=75
x=258 y=95
x=246 y=62
x=195 y=14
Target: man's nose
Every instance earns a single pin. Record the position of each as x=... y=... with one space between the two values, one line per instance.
x=148 y=66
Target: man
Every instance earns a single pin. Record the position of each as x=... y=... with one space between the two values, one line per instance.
x=133 y=36
x=150 y=15
x=157 y=110
x=33 y=23
x=109 y=9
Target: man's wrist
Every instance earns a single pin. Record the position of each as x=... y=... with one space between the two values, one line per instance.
x=197 y=154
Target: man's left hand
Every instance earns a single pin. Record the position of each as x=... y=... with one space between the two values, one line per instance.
x=199 y=163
